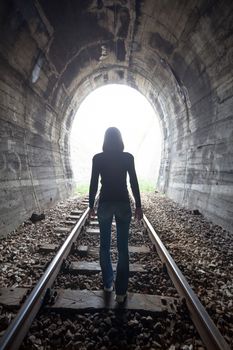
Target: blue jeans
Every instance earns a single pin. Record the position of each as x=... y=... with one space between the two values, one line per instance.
x=123 y=214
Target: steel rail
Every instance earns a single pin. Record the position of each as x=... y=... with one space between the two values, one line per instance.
x=20 y=325
x=206 y=328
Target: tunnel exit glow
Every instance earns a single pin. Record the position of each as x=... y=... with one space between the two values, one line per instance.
x=126 y=109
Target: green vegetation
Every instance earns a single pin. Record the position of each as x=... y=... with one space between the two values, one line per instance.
x=81 y=189
x=146 y=185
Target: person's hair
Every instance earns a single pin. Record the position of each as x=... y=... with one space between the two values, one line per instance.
x=113 y=140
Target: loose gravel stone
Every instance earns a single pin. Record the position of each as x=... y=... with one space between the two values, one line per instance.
x=127 y=330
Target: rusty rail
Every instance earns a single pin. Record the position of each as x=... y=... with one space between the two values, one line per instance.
x=206 y=328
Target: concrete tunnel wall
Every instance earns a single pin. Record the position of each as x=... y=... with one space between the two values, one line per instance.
x=179 y=54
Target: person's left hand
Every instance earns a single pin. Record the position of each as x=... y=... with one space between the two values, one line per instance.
x=91 y=213
x=138 y=213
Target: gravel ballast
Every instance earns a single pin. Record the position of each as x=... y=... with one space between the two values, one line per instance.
x=202 y=251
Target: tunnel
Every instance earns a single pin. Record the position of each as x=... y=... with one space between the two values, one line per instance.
x=178 y=54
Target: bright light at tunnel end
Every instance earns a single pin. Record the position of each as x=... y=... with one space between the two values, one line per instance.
x=127 y=109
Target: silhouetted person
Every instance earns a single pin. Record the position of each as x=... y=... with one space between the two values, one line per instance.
x=112 y=165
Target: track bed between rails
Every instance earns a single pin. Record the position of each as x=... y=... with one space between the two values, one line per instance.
x=79 y=315
x=94 y=326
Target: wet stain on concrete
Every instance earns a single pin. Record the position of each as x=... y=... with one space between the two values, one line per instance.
x=120 y=50
x=106 y=77
x=74 y=67
x=124 y=17
x=82 y=29
x=100 y=4
x=198 y=85
x=120 y=73
x=161 y=44
x=138 y=5
x=95 y=52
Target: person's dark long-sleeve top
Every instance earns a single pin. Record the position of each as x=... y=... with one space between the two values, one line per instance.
x=113 y=167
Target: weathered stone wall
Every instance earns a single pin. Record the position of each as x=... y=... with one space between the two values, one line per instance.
x=200 y=171
x=34 y=164
x=178 y=54
x=32 y=172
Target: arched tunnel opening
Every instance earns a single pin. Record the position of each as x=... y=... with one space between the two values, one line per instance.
x=128 y=110
x=178 y=55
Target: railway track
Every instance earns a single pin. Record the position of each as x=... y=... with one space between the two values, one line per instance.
x=72 y=284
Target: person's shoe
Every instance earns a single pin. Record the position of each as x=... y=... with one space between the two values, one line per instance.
x=120 y=298
x=110 y=289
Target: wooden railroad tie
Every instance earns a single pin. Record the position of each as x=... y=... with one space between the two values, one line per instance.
x=76 y=212
x=62 y=230
x=96 y=223
x=84 y=300
x=73 y=217
x=76 y=267
x=84 y=250
x=96 y=231
x=69 y=222
x=12 y=297
x=48 y=248
x=93 y=231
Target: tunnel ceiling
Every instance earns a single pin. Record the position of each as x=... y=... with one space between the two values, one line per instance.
x=179 y=54
x=166 y=49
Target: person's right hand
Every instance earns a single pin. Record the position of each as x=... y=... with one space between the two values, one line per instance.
x=138 y=213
